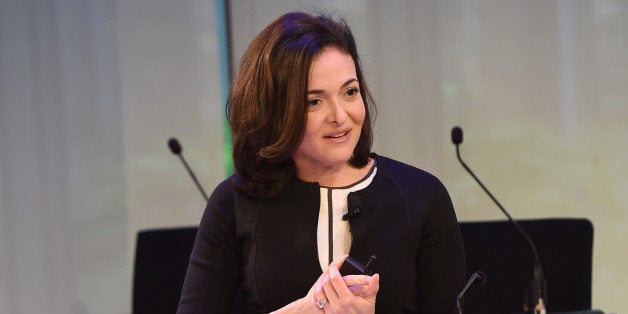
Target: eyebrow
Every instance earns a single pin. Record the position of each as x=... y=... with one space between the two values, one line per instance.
x=320 y=91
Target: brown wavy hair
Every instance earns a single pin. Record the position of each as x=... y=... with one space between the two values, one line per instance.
x=267 y=104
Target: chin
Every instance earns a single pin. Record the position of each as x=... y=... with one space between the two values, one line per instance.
x=339 y=160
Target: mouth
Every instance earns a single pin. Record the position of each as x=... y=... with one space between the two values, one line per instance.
x=338 y=135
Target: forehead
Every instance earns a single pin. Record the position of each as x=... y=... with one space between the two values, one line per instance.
x=332 y=63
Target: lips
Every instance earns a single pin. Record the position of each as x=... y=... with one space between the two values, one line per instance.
x=337 y=135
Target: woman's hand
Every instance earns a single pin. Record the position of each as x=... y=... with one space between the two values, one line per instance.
x=334 y=293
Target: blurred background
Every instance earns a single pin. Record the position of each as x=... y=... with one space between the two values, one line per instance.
x=91 y=90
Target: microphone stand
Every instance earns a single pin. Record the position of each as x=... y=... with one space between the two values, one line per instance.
x=477 y=276
x=176 y=149
x=536 y=289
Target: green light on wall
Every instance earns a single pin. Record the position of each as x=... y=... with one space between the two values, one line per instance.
x=227 y=148
x=222 y=14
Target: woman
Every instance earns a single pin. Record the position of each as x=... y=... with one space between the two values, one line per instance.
x=274 y=235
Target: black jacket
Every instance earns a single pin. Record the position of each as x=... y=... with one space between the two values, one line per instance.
x=268 y=248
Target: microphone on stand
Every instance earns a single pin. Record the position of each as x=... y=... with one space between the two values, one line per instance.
x=176 y=149
x=536 y=289
x=477 y=277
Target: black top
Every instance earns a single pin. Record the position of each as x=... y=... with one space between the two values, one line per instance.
x=269 y=249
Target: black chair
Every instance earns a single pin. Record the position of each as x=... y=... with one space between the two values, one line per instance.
x=564 y=247
x=494 y=247
x=161 y=260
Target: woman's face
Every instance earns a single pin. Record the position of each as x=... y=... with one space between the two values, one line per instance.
x=335 y=113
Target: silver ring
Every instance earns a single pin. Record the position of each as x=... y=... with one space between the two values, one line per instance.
x=321 y=303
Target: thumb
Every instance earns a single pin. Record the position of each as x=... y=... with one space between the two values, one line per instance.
x=373 y=287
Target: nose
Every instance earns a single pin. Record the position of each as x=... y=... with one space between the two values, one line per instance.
x=337 y=113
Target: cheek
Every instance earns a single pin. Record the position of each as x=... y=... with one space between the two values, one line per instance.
x=313 y=123
x=310 y=134
x=360 y=115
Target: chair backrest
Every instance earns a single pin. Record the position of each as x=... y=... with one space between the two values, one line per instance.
x=564 y=247
x=161 y=260
x=494 y=247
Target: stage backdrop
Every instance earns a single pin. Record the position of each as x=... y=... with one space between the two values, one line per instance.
x=90 y=91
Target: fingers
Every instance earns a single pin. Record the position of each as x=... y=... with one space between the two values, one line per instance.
x=319 y=298
x=338 y=287
x=356 y=280
x=327 y=285
x=358 y=291
x=373 y=287
x=333 y=292
x=338 y=282
x=331 y=284
x=357 y=284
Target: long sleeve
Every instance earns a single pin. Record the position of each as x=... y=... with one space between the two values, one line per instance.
x=214 y=269
x=440 y=264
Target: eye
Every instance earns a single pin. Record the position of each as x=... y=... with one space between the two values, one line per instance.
x=313 y=104
x=352 y=91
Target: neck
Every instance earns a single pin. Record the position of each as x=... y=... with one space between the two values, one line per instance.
x=334 y=176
